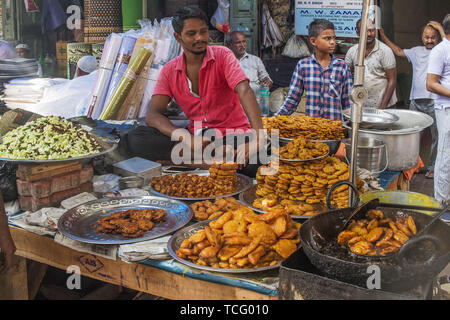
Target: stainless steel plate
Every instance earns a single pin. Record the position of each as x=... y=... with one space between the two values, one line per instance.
x=78 y=223
x=107 y=146
x=374 y=118
x=176 y=240
x=243 y=181
x=303 y=160
x=247 y=198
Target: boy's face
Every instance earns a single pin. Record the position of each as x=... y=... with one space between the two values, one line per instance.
x=325 y=42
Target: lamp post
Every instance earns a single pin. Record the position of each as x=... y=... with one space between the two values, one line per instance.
x=359 y=95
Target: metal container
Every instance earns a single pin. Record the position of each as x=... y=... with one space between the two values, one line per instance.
x=402 y=138
x=138 y=167
x=372 y=154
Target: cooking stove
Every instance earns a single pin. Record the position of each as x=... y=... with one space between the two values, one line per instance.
x=300 y=280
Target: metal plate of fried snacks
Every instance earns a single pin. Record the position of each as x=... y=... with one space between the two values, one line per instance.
x=248 y=197
x=176 y=240
x=243 y=181
x=79 y=223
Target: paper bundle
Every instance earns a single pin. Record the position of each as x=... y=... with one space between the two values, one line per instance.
x=130 y=107
x=126 y=83
x=162 y=55
x=100 y=89
x=122 y=62
x=153 y=249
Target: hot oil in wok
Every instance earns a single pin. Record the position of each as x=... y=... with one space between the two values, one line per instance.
x=417 y=255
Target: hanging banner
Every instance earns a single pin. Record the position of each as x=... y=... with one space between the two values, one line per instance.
x=344 y=14
x=31 y=6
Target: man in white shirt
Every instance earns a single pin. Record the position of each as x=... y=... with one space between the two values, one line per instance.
x=380 y=77
x=421 y=98
x=252 y=65
x=438 y=82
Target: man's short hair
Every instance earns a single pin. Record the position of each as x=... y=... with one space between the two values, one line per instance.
x=446 y=24
x=185 y=13
x=319 y=25
x=229 y=36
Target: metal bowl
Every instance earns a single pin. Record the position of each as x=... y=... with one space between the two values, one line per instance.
x=332 y=144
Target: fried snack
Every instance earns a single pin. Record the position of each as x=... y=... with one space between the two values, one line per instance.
x=311 y=128
x=131 y=223
x=300 y=149
x=222 y=180
x=245 y=240
x=376 y=236
x=205 y=210
x=301 y=188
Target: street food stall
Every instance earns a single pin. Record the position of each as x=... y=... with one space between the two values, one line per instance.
x=305 y=228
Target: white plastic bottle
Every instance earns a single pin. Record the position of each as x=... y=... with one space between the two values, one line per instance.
x=264 y=99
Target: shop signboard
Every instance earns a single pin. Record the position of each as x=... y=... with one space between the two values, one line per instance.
x=343 y=13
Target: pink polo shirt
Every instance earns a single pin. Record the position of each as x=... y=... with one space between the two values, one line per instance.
x=217 y=106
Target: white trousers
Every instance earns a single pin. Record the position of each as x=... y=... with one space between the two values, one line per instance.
x=442 y=167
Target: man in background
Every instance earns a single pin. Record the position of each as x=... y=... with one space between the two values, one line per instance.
x=23 y=51
x=252 y=65
x=438 y=82
x=380 y=77
x=86 y=65
x=421 y=98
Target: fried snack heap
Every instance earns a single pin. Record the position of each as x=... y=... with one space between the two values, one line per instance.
x=205 y=210
x=310 y=128
x=224 y=175
x=377 y=236
x=222 y=180
x=304 y=183
x=131 y=223
x=301 y=149
x=243 y=239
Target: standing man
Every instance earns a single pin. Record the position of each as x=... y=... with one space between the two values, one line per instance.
x=438 y=82
x=252 y=65
x=421 y=98
x=380 y=77
x=212 y=90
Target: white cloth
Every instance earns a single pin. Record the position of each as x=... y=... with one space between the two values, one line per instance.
x=439 y=63
x=87 y=64
x=376 y=63
x=442 y=166
x=254 y=69
x=418 y=57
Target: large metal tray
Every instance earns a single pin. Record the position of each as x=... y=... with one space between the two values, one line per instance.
x=247 y=198
x=78 y=223
x=107 y=146
x=374 y=118
x=243 y=181
x=176 y=240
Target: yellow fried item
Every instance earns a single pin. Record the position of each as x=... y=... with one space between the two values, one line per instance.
x=285 y=247
x=218 y=224
x=260 y=228
x=254 y=257
x=227 y=252
x=249 y=248
x=279 y=226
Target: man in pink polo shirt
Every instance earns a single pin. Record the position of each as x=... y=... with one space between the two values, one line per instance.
x=209 y=85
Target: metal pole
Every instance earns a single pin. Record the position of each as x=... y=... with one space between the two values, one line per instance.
x=358 y=95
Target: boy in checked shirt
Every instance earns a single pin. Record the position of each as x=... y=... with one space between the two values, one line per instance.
x=326 y=80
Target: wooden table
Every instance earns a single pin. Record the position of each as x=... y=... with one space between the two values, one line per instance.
x=135 y=276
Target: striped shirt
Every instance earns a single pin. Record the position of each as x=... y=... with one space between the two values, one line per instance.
x=254 y=70
x=327 y=91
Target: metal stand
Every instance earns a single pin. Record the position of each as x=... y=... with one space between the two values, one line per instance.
x=359 y=95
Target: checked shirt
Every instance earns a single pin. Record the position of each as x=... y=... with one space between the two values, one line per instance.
x=327 y=92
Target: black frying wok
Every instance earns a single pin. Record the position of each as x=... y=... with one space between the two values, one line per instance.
x=419 y=260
